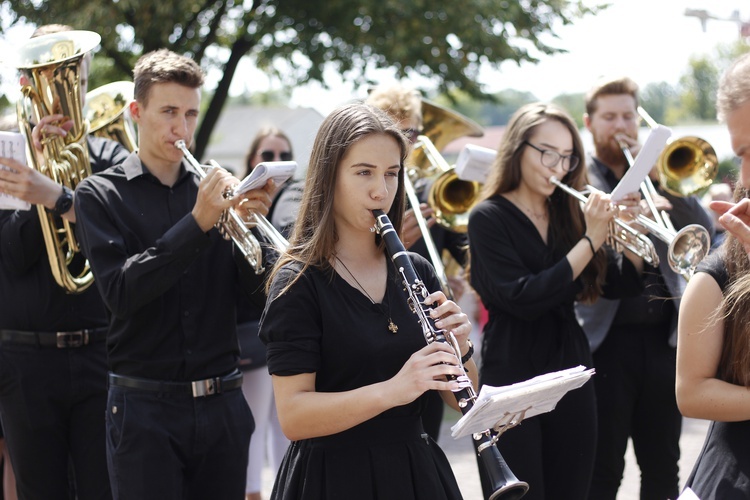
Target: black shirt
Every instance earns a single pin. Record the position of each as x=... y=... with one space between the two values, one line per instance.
x=30 y=299
x=653 y=307
x=528 y=289
x=169 y=287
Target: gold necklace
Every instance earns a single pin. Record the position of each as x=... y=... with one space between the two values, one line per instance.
x=391 y=325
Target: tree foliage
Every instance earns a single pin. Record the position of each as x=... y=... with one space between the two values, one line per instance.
x=444 y=41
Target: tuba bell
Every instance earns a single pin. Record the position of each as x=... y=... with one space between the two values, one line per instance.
x=450 y=198
x=52 y=65
x=106 y=109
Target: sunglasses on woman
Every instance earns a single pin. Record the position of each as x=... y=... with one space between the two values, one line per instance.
x=271 y=155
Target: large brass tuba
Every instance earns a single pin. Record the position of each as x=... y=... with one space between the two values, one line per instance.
x=450 y=197
x=106 y=109
x=52 y=65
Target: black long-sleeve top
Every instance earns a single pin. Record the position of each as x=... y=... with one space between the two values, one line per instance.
x=30 y=299
x=528 y=289
x=168 y=286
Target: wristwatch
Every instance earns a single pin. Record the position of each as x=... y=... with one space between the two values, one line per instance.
x=63 y=203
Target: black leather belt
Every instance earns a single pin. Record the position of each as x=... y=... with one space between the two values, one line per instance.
x=197 y=389
x=60 y=340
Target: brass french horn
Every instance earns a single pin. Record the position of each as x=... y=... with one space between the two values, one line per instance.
x=450 y=198
x=52 y=65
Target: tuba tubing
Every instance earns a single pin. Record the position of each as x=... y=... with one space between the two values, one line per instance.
x=504 y=484
x=231 y=226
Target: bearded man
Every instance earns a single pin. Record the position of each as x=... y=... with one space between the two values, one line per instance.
x=633 y=340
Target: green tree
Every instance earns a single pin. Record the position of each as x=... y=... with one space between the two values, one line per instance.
x=659 y=100
x=444 y=41
x=574 y=104
x=699 y=87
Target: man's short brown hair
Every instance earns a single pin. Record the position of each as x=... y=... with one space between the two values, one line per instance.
x=164 y=66
x=617 y=86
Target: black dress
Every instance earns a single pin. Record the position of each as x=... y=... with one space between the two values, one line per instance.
x=528 y=289
x=722 y=470
x=325 y=326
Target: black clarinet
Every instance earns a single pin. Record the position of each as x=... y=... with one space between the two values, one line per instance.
x=504 y=484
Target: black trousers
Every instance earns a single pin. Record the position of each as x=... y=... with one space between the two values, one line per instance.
x=52 y=405
x=635 y=388
x=554 y=451
x=165 y=446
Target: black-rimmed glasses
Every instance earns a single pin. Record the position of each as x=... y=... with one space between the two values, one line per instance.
x=551 y=158
x=271 y=155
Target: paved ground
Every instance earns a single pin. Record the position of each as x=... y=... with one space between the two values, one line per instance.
x=460 y=454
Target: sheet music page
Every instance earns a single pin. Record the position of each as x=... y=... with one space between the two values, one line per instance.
x=474 y=163
x=644 y=162
x=279 y=171
x=531 y=397
x=12 y=145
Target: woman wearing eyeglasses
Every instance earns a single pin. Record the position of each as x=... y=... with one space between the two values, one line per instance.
x=535 y=251
x=269 y=144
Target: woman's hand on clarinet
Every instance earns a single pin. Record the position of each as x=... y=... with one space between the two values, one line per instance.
x=425 y=370
x=449 y=317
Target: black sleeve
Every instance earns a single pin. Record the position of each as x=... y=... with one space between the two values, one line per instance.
x=502 y=278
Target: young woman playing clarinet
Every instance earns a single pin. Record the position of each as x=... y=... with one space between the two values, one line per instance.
x=534 y=252
x=349 y=361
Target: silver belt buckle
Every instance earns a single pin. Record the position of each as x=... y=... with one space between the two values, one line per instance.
x=208 y=387
x=72 y=339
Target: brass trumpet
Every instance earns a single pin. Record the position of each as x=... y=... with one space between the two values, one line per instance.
x=620 y=234
x=231 y=226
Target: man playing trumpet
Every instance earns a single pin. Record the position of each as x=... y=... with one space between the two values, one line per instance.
x=177 y=424
x=633 y=340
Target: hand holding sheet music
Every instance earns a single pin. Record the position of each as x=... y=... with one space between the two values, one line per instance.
x=12 y=145
x=644 y=162
x=505 y=405
x=279 y=171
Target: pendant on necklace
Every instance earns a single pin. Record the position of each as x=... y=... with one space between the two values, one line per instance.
x=392 y=326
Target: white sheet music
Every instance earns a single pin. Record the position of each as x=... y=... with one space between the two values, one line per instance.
x=12 y=145
x=644 y=162
x=279 y=171
x=522 y=400
x=474 y=163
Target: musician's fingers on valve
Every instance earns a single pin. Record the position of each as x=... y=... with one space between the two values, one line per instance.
x=210 y=202
x=48 y=126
